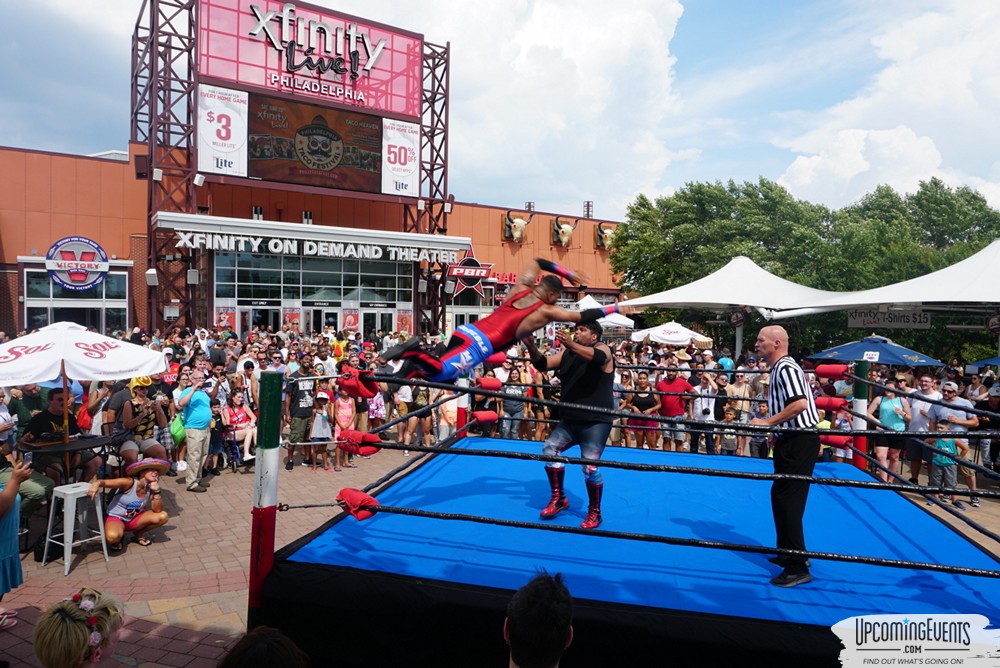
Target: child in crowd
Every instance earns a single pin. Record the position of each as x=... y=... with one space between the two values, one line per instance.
x=825 y=451
x=345 y=416
x=217 y=431
x=943 y=467
x=758 y=439
x=321 y=432
x=842 y=423
x=726 y=440
x=78 y=630
x=448 y=418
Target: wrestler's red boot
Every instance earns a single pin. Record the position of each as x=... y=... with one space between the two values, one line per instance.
x=559 y=501
x=593 y=519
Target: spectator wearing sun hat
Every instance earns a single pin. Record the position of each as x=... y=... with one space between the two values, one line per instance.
x=138 y=506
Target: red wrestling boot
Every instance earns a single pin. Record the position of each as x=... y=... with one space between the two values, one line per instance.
x=593 y=519
x=559 y=501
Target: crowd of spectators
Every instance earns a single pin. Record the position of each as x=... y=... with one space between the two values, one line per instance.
x=154 y=417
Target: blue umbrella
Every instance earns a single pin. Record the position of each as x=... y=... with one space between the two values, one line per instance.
x=993 y=361
x=877 y=349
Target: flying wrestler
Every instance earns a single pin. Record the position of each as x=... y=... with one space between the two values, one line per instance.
x=522 y=313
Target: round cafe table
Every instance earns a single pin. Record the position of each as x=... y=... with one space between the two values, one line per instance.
x=75 y=444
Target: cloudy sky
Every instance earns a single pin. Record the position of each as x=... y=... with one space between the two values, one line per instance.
x=561 y=101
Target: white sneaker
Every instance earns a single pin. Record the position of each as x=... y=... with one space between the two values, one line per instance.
x=247 y=458
x=182 y=466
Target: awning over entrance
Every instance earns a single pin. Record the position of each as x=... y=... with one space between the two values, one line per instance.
x=203 y=232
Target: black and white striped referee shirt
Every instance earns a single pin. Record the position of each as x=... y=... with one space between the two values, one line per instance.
x=787 y=385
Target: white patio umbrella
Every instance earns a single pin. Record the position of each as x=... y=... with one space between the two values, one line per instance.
x=71 y=351
x=613 y=320
x=673 y=334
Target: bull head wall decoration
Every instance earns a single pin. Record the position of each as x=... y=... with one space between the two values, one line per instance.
x=562 y=232
x=514 y=226
x=603 y=235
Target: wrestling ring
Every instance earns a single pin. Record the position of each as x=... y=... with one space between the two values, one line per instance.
x=419 y=570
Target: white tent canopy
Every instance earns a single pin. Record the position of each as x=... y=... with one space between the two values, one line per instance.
x=613 y=320
x=740 y=283
x=971 y=281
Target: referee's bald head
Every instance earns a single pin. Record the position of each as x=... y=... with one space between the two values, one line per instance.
x=776 y=333
x=772 y=343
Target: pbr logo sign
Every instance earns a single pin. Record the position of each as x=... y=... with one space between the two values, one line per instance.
x=77 y=263
x=470 y=273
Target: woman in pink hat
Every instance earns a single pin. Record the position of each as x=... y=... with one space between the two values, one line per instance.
x=138 y=506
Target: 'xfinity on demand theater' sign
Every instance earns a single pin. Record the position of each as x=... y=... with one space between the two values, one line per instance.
x=243 y=243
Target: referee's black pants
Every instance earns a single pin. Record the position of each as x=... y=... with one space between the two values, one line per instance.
x=793 y=453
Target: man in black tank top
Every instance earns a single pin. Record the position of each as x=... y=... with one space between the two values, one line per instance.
x=586 y=370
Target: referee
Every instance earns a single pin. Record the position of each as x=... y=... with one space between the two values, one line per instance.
x=791 y=407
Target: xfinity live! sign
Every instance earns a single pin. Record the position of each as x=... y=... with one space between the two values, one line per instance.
x=239 y=243
x=310 y=51
x=325 y=48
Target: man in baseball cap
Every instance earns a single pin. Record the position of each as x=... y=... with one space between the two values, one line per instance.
x=956 y=412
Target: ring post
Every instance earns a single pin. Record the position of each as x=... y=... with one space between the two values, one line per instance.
x=265 y=498
x=861 y=391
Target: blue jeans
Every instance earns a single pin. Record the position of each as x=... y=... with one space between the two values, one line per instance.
x=590 y=436
x=510 y=424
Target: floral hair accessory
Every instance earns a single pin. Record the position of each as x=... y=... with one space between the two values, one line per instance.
x=87 y=605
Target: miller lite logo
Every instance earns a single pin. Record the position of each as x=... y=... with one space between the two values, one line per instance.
x=77 y=263
x=470 y=273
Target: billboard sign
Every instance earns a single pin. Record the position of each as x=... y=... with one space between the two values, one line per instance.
x=222 y=131
x=274 y=139
x=311 y=52
x=400 y=158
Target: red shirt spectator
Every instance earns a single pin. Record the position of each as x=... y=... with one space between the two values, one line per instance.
x=673 y=405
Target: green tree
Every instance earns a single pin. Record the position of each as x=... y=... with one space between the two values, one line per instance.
x=881 y=239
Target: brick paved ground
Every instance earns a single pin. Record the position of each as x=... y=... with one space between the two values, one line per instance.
x=186 y=594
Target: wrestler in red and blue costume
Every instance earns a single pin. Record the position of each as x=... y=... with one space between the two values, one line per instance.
x=520 y=314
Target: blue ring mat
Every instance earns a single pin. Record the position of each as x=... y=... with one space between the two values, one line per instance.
x=721 y=582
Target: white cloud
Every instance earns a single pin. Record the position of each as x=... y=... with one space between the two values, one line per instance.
x=556 y=101
x=930 y=111
x=114 y=20
x=559 y=101
x=854 y=162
